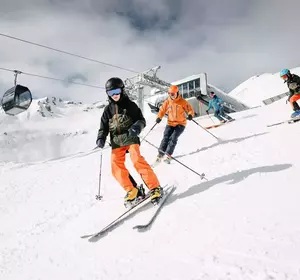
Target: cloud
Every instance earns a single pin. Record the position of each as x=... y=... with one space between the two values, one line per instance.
x=230 y=40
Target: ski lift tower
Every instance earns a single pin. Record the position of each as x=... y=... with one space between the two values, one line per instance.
x=135 y=86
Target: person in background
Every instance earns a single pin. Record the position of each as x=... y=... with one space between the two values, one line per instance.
x=293 y=84
x=217 y=104
x=177 y=109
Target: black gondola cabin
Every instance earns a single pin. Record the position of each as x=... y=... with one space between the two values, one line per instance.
x=16 y=100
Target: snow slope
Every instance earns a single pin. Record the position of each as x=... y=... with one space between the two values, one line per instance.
x=243 y=223
x=258 y=88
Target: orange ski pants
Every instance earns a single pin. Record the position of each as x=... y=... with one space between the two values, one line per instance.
x=294 y=98
x=120 y=172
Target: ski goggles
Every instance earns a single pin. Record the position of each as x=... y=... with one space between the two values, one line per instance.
x=173 y=94
x=284 y=77
x=113 y=92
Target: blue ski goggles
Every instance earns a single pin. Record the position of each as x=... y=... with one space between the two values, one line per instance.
x=113 y=92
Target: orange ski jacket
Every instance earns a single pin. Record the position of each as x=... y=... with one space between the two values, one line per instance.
x=176 y=109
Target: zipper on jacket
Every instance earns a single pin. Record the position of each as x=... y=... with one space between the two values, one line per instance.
x=118 y=125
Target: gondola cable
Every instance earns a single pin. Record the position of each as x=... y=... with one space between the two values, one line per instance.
x=68 y=53
x=51 y=78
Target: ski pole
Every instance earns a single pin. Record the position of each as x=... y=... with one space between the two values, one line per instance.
x=211 y=118
x=202 y=176
x=205 y=130
x=98 y=196
x=149 y=132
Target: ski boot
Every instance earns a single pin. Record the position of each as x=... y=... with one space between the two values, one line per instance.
x=296 y=114
x=156 y=195
x=134 y=196
x=168 y=159
x=159 y=158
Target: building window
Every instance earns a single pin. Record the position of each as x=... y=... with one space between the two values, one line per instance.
x=197 y=83
x=191 y=85
x=184 y=90
x=180 y=88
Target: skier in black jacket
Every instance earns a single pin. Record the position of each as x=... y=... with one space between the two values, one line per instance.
x=293 y=83
x=124 y=121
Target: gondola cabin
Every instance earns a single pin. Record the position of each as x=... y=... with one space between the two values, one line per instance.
x=16 y=100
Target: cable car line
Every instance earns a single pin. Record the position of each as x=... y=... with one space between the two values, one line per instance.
x=50 y=78
x=68 y=53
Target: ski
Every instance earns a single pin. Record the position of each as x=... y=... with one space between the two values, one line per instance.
x=143 y=227
x=291 y=120
x=95 y=236
x=294 y=120
x=98 y=235
x=213 y=126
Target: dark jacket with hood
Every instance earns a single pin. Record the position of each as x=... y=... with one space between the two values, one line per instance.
x=118 y=119
x=293 y=83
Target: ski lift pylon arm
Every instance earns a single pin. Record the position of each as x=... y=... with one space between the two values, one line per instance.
x=17 y=72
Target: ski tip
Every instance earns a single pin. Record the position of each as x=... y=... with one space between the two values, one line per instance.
x=97 y=237
x=93 y=239
x=86 y=236
x=140 y=228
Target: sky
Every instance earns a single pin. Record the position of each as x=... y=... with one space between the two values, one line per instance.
x=229 y=40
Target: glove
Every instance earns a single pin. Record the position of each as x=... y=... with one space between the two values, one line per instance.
x=158 y=120
x=286 y=102
x=134 y=131
x=100 y=143
x=207 y=112
x=190 y=117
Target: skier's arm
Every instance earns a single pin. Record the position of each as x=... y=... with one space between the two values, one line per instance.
x=296 y=80
x=163 y=109
x=290 y=95
x=189 y=109
x=209 y=105
x=220 y=101
x=138 y=118
x=104 y=128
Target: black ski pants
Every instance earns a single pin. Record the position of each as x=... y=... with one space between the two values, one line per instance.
x=170 y=139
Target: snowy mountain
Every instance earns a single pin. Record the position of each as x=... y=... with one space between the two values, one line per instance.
x=50 y=128
x=261 y=87
x=239 y=224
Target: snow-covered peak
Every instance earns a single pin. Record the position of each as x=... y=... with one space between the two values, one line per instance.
x=258 y=88
x=50 y=128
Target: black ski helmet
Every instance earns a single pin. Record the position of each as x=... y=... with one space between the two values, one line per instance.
x=114 y=83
